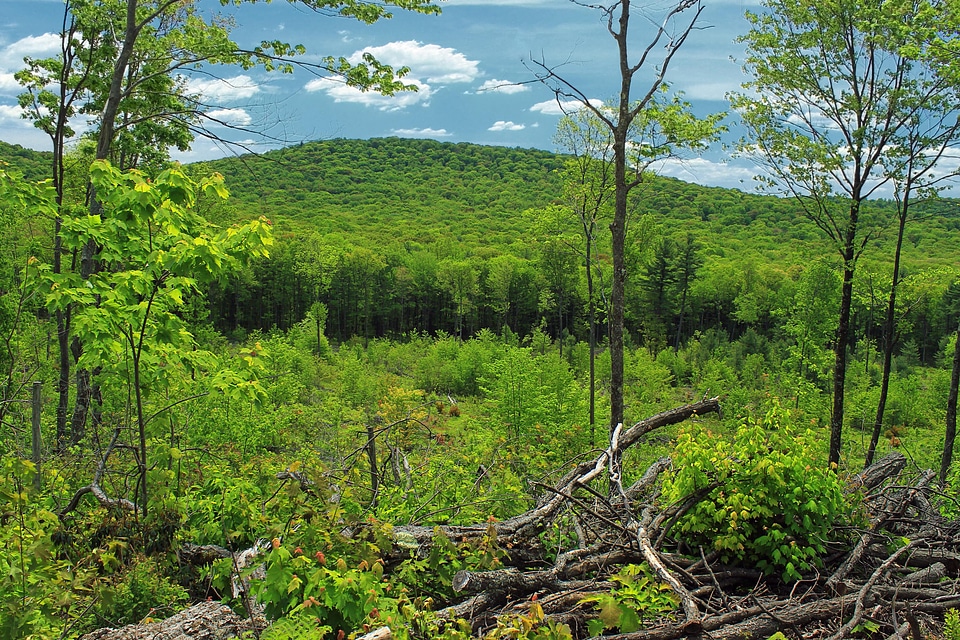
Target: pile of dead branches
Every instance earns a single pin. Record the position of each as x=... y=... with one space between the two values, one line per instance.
x=887 y=578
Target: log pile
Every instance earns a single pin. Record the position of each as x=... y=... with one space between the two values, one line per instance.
x=882 y=581
x=896 y=575
x=894 y=578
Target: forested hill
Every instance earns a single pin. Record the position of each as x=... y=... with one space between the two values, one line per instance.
x=391 y=186
x=33 y=165
x=391 y=190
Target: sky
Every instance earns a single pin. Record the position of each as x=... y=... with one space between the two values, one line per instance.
x=474 y=66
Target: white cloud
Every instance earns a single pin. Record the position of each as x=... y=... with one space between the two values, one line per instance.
x=502 y=86
x=506 y=125
x=11 y=58
x=223 y=89
x=430 y=66
x=423 y=133
x=10 y=113
x=340 y=92
x=815 y=118
x=9 y=84
x=709 y=172
x=238 y=117
x=430 y=63
x=698 y=91
x=42 y=46
x=559 y=108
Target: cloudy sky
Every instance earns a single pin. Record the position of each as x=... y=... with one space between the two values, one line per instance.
x=473 y=66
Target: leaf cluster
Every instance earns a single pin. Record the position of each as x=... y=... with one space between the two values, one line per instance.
x=766 y=502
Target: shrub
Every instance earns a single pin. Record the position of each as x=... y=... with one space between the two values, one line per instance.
x=951 y=625
x=142 y=592
x=767 y=502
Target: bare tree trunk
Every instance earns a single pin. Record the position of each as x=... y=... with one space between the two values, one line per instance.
x=951 y=432
x=372 y=454
x=592 y=319
x=889 y=337
x=843 y=332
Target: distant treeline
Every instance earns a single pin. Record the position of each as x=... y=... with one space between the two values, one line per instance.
x=400 y=236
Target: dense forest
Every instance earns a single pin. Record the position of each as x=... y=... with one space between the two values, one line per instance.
x=387 y=233
x=398 y=388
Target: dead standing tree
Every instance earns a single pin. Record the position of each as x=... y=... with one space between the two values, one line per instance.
x=641 y=131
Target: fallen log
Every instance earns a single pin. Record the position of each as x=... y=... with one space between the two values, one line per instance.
x=203 y=621
x=520 y=532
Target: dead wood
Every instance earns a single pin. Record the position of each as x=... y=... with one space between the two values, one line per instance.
x=204 y=621
x=928 y=575
x=198 y=555
x=96 y=490
x=906 y=561
x=889 y=466
x=520 y=532
x=504 y=580
x=908 y=556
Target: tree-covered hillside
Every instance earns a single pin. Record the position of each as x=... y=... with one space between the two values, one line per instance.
x=393 y=189
x=34 y=165
x=397 y=235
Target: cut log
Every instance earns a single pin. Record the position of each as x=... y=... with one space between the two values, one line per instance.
x=509 y=580
x=887 y=467
x=204 y=621
x=928 y=575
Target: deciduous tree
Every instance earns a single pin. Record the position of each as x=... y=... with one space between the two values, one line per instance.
x=832 y=86
x=123 y=63
x=155 y=250
x=644 y=127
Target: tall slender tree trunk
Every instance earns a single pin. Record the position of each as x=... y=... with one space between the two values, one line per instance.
x=87 y=391
x=63 y=317
x=951 y=431
x=843 y=333
x=683 y=309
x=617 y=289
x=142 y=433
x=592 y=333
x=618 y=228
x=889 y=336
x=372 y=456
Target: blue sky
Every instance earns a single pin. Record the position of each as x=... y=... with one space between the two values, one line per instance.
x=469 y=64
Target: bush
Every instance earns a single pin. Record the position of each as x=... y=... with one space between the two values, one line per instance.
x=142 y=592
x=768 y=503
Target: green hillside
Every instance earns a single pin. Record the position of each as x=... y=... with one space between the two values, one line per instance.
x=397 y=189
x=396 y=213
x=33 y=165
x=400 y=190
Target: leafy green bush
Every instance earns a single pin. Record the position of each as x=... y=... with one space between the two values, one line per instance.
x=140 y=593
x=638 y=597
x=34 y=584
x=344 y=597
x=951 y=625
x=768 y=502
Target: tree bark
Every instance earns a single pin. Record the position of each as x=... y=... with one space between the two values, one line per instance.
x=843 y=333
x=205 y=621
x=889 y=334
x=951 y=421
